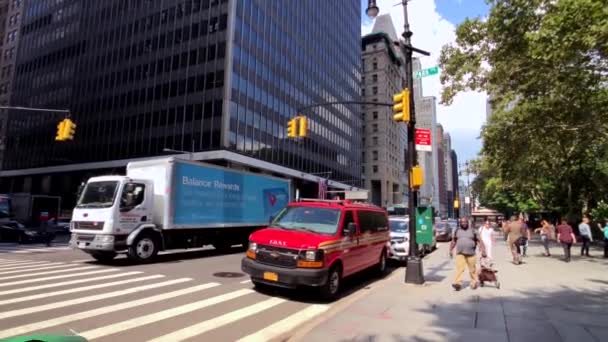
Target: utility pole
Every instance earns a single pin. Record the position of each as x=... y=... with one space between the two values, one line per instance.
x=414 y=272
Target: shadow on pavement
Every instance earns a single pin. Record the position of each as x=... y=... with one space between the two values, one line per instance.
x=173 y=257
x=562 y=314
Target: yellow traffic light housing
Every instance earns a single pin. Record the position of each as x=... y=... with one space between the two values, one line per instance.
x=70 y=129
x=303 y=126
x=65 y=130
x=60 y=131
x=401 y=106
x=292 y=128
x=416 y=177
x=456 y=204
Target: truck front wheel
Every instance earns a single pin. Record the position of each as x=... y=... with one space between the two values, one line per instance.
x=143 y=249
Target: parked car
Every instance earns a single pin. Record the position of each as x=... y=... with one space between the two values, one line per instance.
x=62 y=225
x=318 y=243
x=400 y=238
x=17 y=232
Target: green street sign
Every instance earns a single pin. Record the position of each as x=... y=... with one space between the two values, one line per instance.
x=424 y=225
x=426 y=72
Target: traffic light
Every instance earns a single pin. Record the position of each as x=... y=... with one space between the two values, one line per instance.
x=292 y=128
x=303 y=127
x=456 y=204
x=65 y=130
x=70 y=129
x=416 y=177
x=60 y=131
x=401 y=106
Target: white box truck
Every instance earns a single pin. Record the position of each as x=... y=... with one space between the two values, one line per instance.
x=169 y=203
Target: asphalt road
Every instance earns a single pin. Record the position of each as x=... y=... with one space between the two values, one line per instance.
x=194 y=295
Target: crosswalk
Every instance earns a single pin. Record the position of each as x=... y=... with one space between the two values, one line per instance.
x=104 y=303
x=14 y=248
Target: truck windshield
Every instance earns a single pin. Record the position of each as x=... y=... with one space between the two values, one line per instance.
x=315 y=220
x=98 y=195
x=398 y=226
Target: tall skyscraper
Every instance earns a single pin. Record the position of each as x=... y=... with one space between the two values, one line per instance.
x=441 y=181
x=217 y=78
x=384 y=140
x=455 y=183
x=449 y=186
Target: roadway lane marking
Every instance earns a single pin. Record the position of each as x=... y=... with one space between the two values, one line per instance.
x=246 y=281
x=24 y=265
x=71 y=282
x=57 y=277
x=49 y=272
x=161 y=315
x=42 y=325
x=36 y=268
x=285 y=325
x=12 y=261
x=87 y=299
x=203 y=327
x=77 y=289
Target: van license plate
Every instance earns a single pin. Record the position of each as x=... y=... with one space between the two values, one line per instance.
x=271 y=276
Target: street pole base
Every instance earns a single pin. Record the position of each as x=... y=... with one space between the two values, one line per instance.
x=413 y=271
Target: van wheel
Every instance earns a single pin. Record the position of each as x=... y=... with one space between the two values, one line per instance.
x=143 y=249
x=381 y=267
x=331 y=288
x=103 y=257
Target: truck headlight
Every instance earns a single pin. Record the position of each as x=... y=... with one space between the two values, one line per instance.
x=104 y=238
x=310 y=255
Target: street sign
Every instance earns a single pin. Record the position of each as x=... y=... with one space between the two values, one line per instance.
x=423 y=140
x=426 y=72
x=361 y=195
x=424 y=225
x=467 y=200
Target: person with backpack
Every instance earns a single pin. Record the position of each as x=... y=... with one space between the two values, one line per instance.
x=465 y=240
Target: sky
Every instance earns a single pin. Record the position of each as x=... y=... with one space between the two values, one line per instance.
x=433 y=23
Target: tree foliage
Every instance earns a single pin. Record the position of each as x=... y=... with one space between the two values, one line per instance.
x=544 y=64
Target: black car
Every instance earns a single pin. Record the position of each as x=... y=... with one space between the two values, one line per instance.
x=16 y=232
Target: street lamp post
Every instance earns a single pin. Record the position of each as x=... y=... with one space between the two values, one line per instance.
x=413 y=274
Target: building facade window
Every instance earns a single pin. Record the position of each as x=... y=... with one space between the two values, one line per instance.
x=375 y=168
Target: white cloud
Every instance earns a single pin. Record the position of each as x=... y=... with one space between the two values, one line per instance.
x=431 y=32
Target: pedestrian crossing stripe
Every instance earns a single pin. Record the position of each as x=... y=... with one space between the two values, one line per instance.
x=102 y=310
x=24 y=265
x=77 y=289
x=30 y=277
x=162 y=315
x=65 y=283
x=214 y=323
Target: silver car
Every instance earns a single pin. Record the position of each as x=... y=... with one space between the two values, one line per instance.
x=400 y=238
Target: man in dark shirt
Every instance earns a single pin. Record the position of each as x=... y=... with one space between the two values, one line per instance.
x=565 y=235
x=465 y=241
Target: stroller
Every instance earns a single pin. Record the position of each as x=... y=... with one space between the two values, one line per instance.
x=487 y=272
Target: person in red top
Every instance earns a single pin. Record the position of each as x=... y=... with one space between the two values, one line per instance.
x=565 y=235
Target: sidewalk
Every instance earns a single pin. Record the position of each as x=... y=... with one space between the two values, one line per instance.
x=544 y=299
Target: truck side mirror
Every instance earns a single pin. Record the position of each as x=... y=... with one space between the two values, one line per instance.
x=350 y=229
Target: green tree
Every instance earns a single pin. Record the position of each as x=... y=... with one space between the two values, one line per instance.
x=544 y=64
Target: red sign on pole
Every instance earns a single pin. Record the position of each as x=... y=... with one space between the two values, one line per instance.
x=423 y=140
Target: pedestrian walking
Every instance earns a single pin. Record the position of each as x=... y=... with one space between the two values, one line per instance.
x=586 y=236
x=465 y=240
x=565 y=235
x=487 y=236
x=605 y=231
x=525 y=237
x=514 y=230
x=546 y=234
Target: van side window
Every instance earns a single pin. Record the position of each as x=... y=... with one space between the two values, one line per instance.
x=371 y=221
x=348 y=218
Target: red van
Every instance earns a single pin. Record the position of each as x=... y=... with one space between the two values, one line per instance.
x=318 y=243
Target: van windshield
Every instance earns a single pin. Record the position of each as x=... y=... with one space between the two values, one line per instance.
x=98 y=195
x=315 y=220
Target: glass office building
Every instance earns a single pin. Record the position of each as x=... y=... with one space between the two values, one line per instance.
x=141 y=76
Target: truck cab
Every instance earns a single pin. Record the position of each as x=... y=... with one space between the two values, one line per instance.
x=318 y=243
x=110 y=213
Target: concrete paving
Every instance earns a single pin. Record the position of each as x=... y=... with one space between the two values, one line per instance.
x=545 y=299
